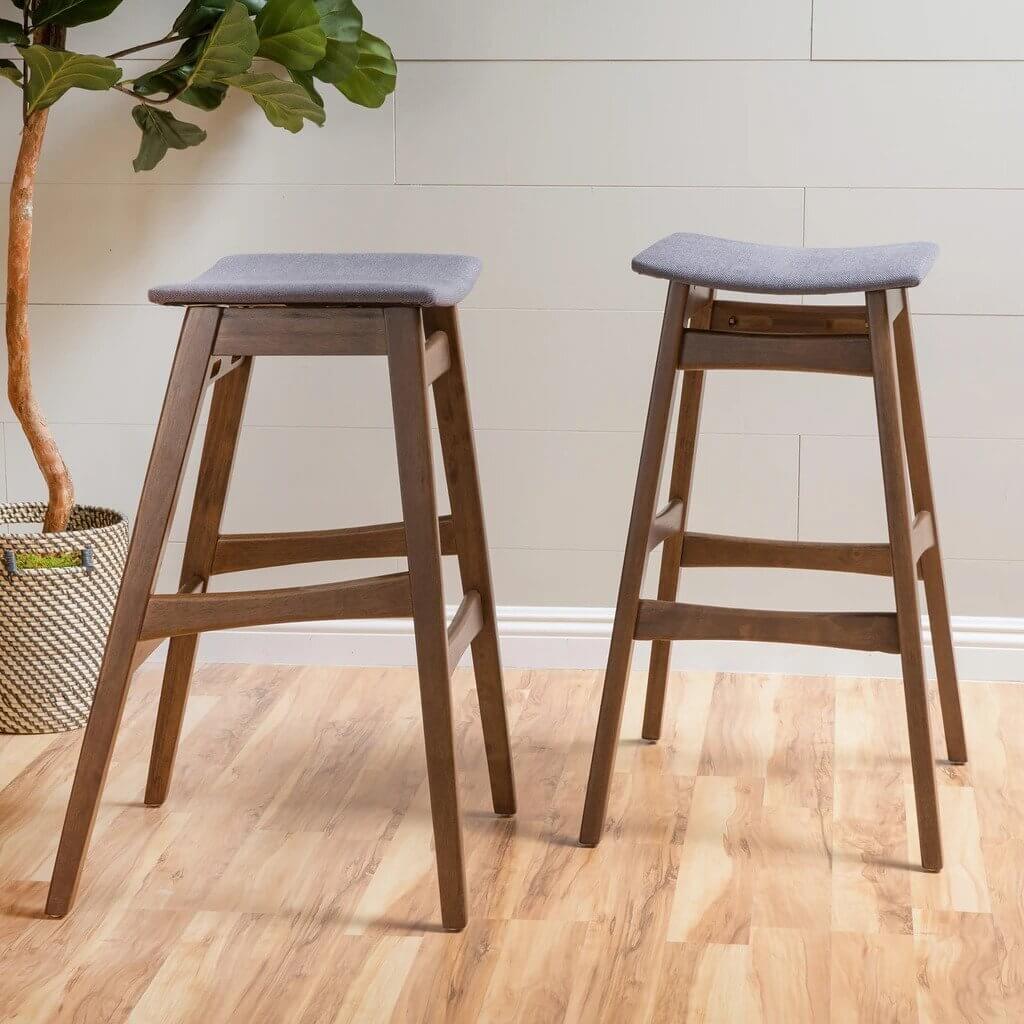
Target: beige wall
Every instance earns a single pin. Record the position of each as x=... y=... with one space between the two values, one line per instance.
x=555 y=140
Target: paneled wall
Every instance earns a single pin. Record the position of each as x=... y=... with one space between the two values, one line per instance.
x=554 y=140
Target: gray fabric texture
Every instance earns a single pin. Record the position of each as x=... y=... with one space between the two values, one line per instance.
x=384 y=278
x=785 y=270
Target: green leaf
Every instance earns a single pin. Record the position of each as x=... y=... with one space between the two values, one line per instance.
x=343 y=23
x=170 y=76
x=284 y=103
x=69 y=13
x=290 y=34
x=340 y=61
x=10 y=70
x=201 y=15
x=12 y=32
x=162 y=131
x=229 y=48
x=305 y=79
x=373 y=79
x=53 y=72
x=340 y=20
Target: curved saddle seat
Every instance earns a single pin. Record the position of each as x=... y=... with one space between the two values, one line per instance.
x=785 y=269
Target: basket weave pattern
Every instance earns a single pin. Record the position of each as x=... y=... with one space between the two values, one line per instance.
x=54 y=622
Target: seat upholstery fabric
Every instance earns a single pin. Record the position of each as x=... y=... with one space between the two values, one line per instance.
x=785 y=270
x=372 y=278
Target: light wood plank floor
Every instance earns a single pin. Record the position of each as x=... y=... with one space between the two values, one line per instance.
x=758 y=866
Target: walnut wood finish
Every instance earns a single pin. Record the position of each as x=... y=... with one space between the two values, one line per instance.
x=302 y=331
x=816 y=339
x=708 y=549
x=931 y=557
x=219 y=446
x=680 y=486
x=378 y=597
x=218 y=345
x=407 y=369
x=667 y=523
x=678 y=308
x=437 y=356
x=826 y=353
x=156 y=506
x=782 y=318
x=238 y=552
x=898 y=512
x=859 y=631
x=458 y=451
x=465 y=626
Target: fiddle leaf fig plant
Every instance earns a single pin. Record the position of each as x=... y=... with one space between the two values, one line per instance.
x=281 y=53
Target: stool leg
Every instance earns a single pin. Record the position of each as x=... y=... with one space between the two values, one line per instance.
x=672 y=550
x=455 y=423
x=219 y=446
x=931 y=561
x=419 y=508
x=897 y=501
x=634 y=563
x=156 y=506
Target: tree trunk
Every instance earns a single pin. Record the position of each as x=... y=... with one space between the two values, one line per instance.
x=19 y=344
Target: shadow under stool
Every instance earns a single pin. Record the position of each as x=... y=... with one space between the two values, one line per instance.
x=401 y=306
x=700 y=333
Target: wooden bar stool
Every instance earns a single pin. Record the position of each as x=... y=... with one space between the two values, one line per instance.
x=874 y=340
x=402 y=306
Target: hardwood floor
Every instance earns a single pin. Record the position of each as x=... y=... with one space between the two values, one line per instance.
x=755 y=866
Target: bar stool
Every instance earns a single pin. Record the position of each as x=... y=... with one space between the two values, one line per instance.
x=402 y=306
x=699 y=333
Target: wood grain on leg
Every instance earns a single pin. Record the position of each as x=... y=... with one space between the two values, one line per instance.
x=455 y=423
x=156 y=506
x=226 y=409
x=898 y=511
x=419 y=508
x=931 y=560
x=672 y=549
x=648 y=477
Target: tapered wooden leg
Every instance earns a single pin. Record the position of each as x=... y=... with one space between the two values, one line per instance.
x=931 y=561
x=634 y=562
x=455 y=423
x=419 y=506
x=898 y=511
x=156 y=506
x=672 y=549
x=218 y=459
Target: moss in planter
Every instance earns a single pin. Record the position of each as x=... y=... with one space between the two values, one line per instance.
x=31 y=560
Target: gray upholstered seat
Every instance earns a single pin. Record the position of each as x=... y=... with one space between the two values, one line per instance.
x=783 y=269
x=373 y=278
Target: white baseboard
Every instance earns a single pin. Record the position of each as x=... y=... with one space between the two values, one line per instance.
x=539 y=637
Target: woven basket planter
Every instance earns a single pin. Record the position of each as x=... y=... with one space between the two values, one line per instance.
x=54 y=622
